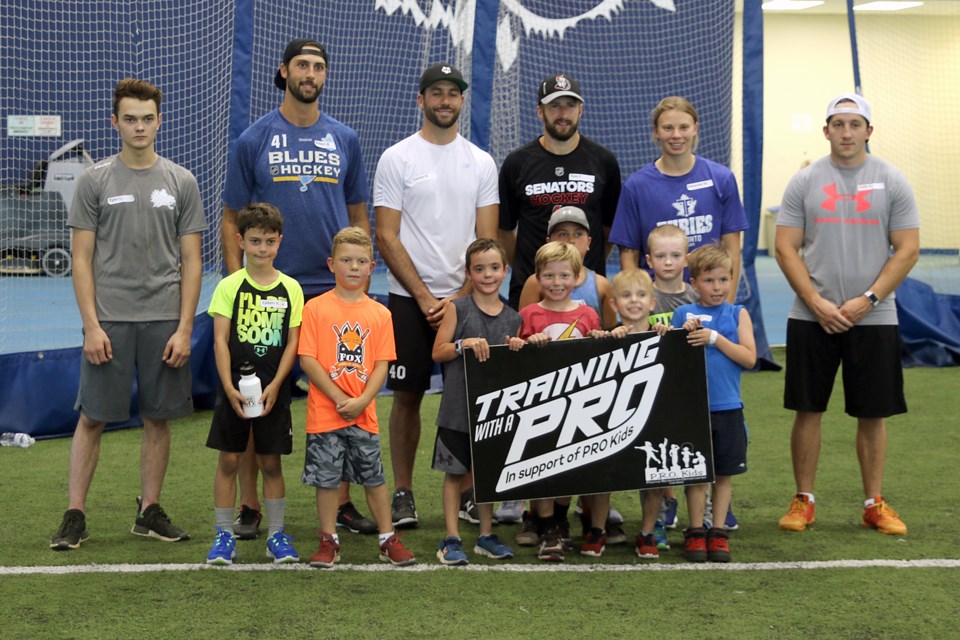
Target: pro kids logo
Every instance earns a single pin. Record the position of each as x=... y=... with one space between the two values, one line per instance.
x=669 y=461
x=260 y=321
x=561 y=411
x=350 y=345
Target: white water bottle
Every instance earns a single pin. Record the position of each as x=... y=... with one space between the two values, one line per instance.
x=22 y=440
x=251 y=390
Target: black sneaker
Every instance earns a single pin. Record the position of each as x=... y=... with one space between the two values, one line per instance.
x=404 y=509
x=247 y=524
x=354 y=521
x=551 y=548
x=615 y=533
x=468 y=508
x=73 y=531
x=153 y=522
x=563 y=527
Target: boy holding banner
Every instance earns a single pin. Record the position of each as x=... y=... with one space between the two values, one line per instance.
x=471 y=323
x=726 y=331
x=634 y=300
x=558 y=317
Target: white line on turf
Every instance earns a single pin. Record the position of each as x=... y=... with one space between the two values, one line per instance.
x=944 y=563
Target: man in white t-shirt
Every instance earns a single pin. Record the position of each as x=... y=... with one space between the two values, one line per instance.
x=435 y=192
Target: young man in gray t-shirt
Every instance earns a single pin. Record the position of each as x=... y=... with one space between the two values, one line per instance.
x=838 y=219
x=136 y=222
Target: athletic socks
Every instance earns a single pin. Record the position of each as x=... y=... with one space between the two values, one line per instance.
x=274 y=509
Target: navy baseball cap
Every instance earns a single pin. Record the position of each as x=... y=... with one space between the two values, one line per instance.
x=299 y=47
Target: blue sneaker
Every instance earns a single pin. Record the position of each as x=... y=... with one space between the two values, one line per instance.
x=660 y=536
x=280 y=549
x=730 y=522
x=668 y=513
x=450 y=552
x=491 y=547
x=224 y=548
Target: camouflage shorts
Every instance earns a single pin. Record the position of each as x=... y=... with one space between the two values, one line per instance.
x=349 y=454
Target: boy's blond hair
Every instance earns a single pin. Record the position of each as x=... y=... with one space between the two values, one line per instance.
x=632 y=276
x=559 y=252
x=352 y=235
x=666 y=231
x=707 y=257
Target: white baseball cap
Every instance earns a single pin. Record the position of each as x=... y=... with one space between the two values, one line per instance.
x=859 y=107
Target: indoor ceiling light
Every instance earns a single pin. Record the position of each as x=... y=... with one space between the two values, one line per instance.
x=790 y=5
x=886 y=5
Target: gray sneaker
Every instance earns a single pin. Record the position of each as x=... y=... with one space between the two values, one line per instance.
x=404 y=509
x=73 y=531
x=153 y=522
x=528 y=536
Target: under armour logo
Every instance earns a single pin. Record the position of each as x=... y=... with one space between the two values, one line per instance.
x=860 y=197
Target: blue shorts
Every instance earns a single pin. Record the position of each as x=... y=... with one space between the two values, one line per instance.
x=729 y=434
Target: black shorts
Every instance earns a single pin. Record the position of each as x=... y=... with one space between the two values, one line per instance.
x=872 y=370
x=451 y=452
x=729 y=435
x=414 y=339
x=272 y=433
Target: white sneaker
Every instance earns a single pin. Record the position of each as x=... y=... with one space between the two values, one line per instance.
x=615 y=516
x=510 y=512
x=708 y=515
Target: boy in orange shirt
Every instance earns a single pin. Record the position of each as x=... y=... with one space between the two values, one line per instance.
x=346 y=343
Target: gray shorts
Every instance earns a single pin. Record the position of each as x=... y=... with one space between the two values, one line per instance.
x=451 y=452
x=105 y=390
x=349 y=454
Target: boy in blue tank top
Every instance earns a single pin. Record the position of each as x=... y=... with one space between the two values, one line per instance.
x=726 y=331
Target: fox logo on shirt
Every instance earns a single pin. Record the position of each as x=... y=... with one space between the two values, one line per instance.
x=350 y=341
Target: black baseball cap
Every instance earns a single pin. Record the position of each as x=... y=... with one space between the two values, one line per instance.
x=299 y=47
x=442 y=71
x=556 y=86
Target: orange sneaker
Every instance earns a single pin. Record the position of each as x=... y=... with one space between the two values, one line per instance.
x=799 y=515
x=881 y=517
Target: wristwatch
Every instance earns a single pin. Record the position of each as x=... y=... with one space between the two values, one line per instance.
x=872 y=297
x=458 y=347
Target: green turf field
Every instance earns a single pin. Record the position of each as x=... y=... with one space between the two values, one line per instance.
x=749 y=599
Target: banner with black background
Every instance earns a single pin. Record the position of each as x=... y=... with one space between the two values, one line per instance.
x=585 y=416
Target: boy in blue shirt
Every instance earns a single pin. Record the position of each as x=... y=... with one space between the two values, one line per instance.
x=726 y=331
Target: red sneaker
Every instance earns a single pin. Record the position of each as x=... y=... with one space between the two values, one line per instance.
x=327 y=554
x=695 y=545
x=647 y=547
x=395 y=553
x=718 y=546
x=593 y=546
x=799 y=514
